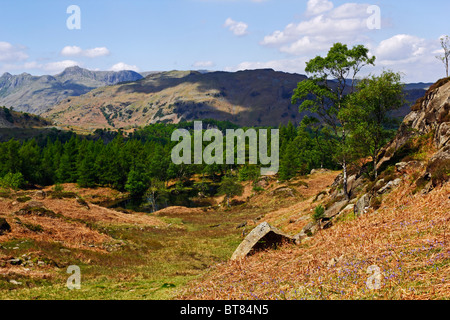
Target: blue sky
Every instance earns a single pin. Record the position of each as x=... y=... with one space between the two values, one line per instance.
x=156 y=35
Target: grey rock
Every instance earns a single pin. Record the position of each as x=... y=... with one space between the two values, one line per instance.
x=264 y=236
x=350 y=207
x=41 y=195
x=263 y=182
x=362 y=204
x=308 y=231
x=335 y=209
x=15 y=261
x=391 y=185
x=401 y=166
x=283 y=190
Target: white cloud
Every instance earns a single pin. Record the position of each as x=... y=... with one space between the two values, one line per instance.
x=238 y=28
x=90 y=53
x=123 y=66
x=47 y=68
x=315 y=7
x=400 y=47
x=11 y=53
x=203 y=64
x=327 y=25
x=411 y=55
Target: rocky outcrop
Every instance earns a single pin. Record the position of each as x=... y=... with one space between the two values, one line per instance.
x=264 y=236
x=430 y=115
x=389 y=186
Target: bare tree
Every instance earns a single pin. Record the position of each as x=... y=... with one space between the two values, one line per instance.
x=445 y=43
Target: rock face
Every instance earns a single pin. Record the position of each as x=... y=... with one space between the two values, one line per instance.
x=264 y=236
x=431 y=114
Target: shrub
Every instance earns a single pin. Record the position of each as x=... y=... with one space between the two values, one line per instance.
x=12 y=181
x=258 y=189
x=58 y=188
x=319 y=213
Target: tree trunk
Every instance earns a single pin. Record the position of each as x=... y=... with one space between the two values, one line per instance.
x=375 y=165
x=344 y=165
x=345 y=183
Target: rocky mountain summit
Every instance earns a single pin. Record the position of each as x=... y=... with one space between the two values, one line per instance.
x=37 y=94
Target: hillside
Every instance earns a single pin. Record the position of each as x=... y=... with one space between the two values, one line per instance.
x=259 y=97
x=12 y=119
x=36 y=94
x=389 y=241
x=398 y=223
x=247 y=98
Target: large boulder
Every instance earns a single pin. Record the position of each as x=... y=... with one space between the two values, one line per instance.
x=335 y=209
x=264 y=236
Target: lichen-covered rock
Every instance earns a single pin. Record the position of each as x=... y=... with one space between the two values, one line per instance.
x=362 y=204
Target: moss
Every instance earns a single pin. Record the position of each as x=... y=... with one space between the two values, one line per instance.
x=39 y=211
x=23 y=199
x=376 y=203
x=440 y=171
x=33 y=227
x=421 y=183
x=63 y=195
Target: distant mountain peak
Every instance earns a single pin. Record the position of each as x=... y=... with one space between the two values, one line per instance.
x=36 y=94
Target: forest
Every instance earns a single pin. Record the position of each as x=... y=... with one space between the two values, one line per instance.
x=130 y=162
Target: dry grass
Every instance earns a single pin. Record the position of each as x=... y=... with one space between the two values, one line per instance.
x=99 y=194
x=74 y=225
x=408 y=238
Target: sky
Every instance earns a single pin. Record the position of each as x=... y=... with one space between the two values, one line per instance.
x=46 y=36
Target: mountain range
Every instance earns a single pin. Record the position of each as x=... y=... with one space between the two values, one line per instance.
x=96 y=99
x=36 y=94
